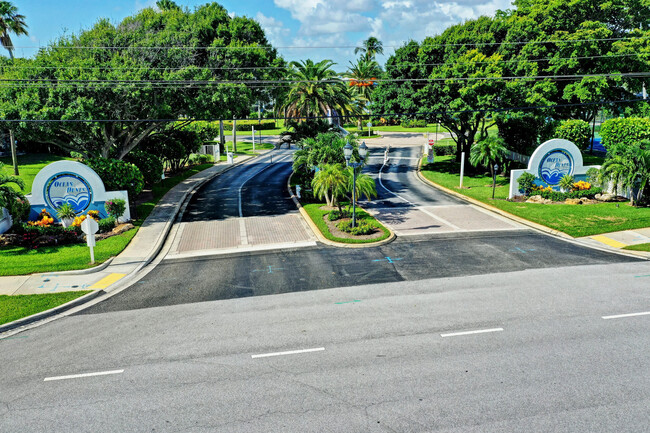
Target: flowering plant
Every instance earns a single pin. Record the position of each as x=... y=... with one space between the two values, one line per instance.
x=44 y=219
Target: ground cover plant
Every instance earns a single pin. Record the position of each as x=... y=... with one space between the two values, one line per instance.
x=318 y=215
x=574 y=220
x=18 y=306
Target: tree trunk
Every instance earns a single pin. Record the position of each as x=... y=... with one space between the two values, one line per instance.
x=14 y=156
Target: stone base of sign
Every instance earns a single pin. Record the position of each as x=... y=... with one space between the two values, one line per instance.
x=75 y=183
x=5 y=220
x=550 y=161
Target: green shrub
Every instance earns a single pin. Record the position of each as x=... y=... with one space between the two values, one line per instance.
x=106 y=224
x=173 y=146
x=444 y=149
x=566 y=182
x=526 y=183
x=150 y=165
x=65 y=211
x=20 y=210
x=575 y=130
x=336 y=215
x=561 y=196
x=593 y=176
x=361 y=228
x=414 y=123
x=199 y=158
x=115 y=207
x=246 y=126
x=118 y=175
x=617 y=134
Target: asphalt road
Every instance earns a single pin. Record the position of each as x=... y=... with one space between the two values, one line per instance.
x=381 y=359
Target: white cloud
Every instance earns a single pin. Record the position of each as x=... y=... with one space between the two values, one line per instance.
x=143 y=4
x=275 y=30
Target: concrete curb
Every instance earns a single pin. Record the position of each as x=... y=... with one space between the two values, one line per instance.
x=90 y=296
x=322 y=238
x=49 y=313
x=533 y=225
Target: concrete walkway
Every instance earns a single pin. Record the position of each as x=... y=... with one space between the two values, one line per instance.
x=141 y=250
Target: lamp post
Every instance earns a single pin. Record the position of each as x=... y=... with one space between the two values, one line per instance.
x=347 y=151
x=494 y=179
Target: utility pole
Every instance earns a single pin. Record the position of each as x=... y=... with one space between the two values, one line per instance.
x=222 y=139
x=234 y=134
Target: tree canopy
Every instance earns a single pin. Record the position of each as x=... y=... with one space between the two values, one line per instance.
x=113 y=85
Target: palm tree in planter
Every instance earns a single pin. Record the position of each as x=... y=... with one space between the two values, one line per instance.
x=329 y=183
x=487 y=153
x=66 y=214
x=566 y=183
x=365 y=185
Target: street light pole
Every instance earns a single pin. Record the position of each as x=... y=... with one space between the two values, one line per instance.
x=494 y=179
x=347 y=151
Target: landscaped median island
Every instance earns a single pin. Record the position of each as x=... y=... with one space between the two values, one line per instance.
x=370 y=231
x=573 y=219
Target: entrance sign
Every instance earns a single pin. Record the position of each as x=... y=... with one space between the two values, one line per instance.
x=74 y=183
x=551 y=161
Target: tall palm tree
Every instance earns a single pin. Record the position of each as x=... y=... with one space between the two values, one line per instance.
x=488 y=152
x=10 y=22
x=362 y=75
x=370 y=48
x=315 y=90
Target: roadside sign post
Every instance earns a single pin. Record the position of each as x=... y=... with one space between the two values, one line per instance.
x=89 y=226
x=253 y=136
x=430 y=150
x=462 y=168
x=369 y=125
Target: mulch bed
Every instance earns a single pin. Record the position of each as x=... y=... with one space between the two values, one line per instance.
x=331 y=225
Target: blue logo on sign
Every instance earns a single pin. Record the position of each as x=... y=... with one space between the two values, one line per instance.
x=555 y=165
x=68 y=188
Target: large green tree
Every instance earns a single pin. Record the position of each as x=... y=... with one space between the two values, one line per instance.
x=103 y=91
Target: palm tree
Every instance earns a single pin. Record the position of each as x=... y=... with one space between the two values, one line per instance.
x=365 y=185
x=371 y=46
x=330 y=183
x=10 y=22
x=488 y=152
x=8 y=193
x=630 y=170
x=362 y=78
x=315 y=90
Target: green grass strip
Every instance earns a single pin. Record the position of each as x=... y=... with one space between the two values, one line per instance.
x=638 y=247
x=19 y=306
x=29 y=165
x=316 y=214
x=22 y=261
x=574 y=220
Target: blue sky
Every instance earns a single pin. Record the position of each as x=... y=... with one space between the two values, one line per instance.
x=313 y=24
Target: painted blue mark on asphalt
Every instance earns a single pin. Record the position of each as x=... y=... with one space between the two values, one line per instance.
x=15 y=338
x=269 y=270
x=55 y=287
x=347 y=302
x=641 y=276
x=521 y=250
x=387 y=258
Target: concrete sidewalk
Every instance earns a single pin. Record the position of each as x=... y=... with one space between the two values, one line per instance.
x=141 y=250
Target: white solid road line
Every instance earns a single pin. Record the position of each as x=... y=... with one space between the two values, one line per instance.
x=619 y=316
x=480 y=331
x=291 y=352
x=77 y=376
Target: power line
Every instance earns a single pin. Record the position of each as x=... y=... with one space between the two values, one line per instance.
x=254 y=68
x=7 y=82
x=254 y=47
x=413 y=114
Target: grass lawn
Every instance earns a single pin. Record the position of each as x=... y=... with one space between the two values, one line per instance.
x=316 y=214
x=638 y=247
x=574 y=220
x=15 y=307
x=22 y=261
x=246 y=147
x=29 y=165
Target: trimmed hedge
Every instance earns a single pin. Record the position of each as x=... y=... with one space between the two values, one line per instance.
x=414 y=123
x=246 y=126
x=561 y=196
x=444 y=149
x=576 y=131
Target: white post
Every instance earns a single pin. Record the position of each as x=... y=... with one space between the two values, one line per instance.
x=462 y=168
x=253 y=135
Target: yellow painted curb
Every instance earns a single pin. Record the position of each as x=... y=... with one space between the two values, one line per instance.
x=608 y=241
x=107 y=281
